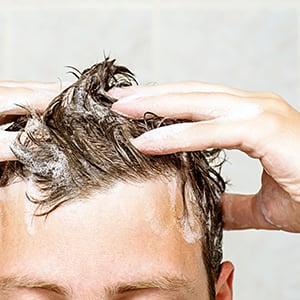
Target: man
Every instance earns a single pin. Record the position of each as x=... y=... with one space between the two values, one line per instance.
x=119 y=224
x=260 y=124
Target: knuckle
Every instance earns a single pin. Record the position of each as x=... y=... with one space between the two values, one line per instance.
x=275 y=104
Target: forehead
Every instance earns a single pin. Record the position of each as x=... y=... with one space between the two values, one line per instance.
x=130 y=231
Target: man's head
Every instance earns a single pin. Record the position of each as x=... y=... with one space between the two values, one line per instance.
x=129 y=215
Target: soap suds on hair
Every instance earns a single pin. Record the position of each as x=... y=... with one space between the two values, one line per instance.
x=190 y=235
x=186 y=224
x=55 y=167
x=191 y=227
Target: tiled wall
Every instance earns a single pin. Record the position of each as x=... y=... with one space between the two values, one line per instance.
x=247 y=44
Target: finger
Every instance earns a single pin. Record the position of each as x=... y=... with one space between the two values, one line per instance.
x=35 y=84
x=57 y=87
x=196 y=136
x=241 y=212
x=181 y=87
x=192 y=106
x=6 y=140
x=27 y=93
x=11 y=99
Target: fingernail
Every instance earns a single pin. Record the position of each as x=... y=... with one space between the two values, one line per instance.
x=145 y=144
x=152 y=141
x=123 y=106
x=163 y=139
x=119 y=92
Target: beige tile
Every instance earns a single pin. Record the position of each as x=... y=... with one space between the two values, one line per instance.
x=266 y=264
x=44 y=42
x=245 y=179
x=250 y=49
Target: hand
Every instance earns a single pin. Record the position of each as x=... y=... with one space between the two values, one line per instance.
x=36 y=95
x=262 y=125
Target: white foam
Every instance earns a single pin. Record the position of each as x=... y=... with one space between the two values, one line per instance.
x=188 y=226
x=153 y=217
x=191 y=235
x=57 y=164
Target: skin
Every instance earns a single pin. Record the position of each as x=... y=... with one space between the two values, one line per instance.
x=263 y=125
x=90 y=245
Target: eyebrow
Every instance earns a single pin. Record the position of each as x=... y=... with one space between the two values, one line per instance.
x=165 y=282
x=13 y=282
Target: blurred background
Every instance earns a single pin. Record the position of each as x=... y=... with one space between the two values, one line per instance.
x=250 y=45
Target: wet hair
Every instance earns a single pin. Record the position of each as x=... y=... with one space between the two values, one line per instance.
x=79 y=145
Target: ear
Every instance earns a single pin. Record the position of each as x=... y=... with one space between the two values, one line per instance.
x=224 y=282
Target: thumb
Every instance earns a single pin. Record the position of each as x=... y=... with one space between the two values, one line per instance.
x=241 y=212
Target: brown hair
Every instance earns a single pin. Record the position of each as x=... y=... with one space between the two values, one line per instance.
x=79 y=144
